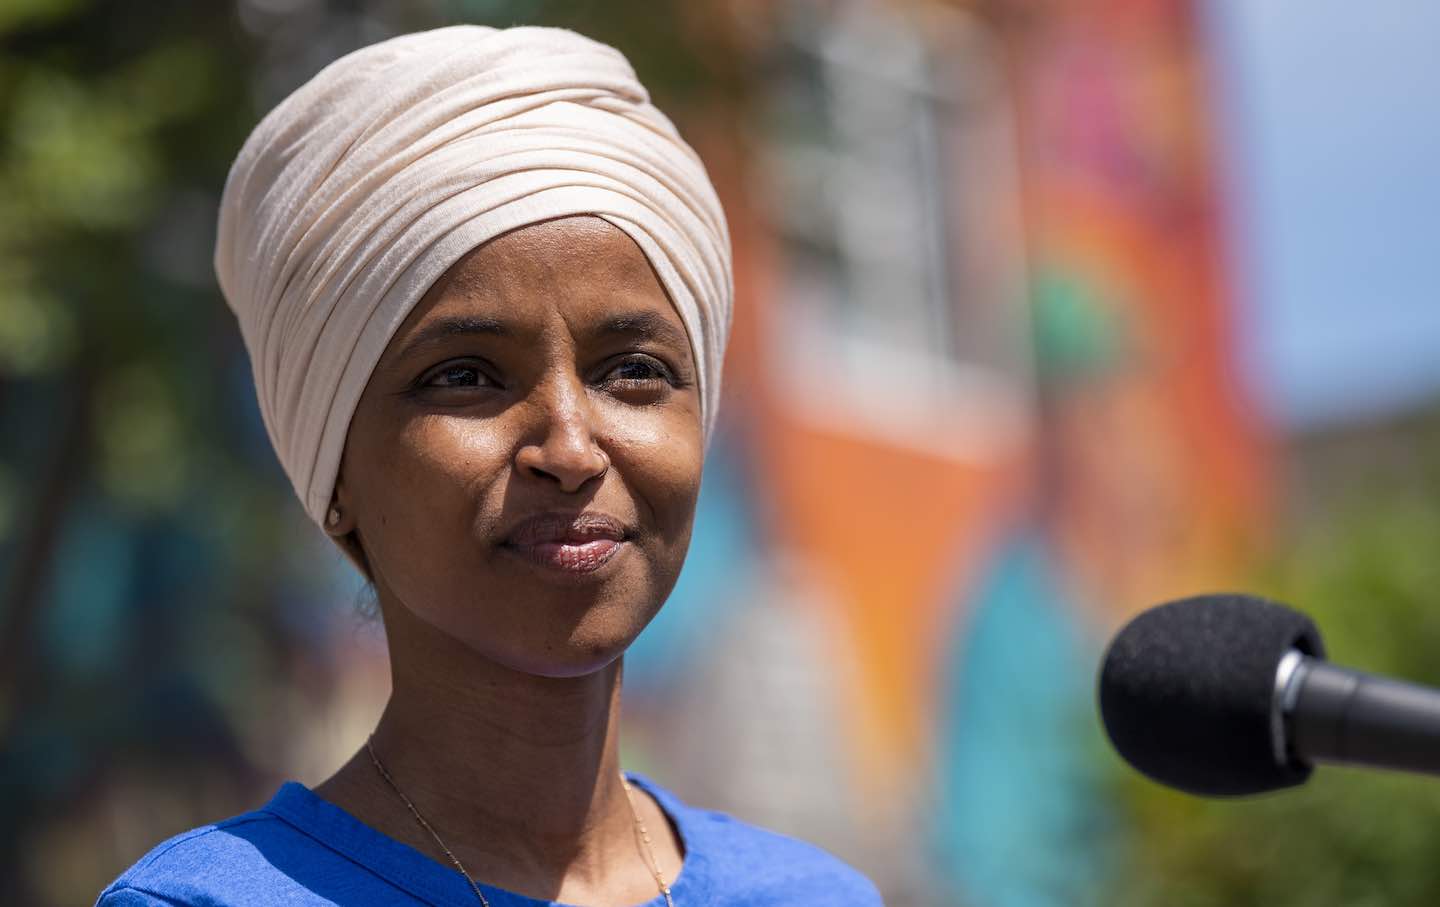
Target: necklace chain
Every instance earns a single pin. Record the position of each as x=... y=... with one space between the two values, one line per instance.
x=370 y=748
x=654 y=865
x=645 y=837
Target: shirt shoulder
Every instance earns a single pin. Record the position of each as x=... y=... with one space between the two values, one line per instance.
x=168 y=872
x=743 y=865
x=762 y=867
x=253 y=859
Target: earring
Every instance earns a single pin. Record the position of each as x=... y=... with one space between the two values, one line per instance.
x=332 y=519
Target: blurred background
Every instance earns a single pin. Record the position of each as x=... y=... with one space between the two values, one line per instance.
x=1048 y=310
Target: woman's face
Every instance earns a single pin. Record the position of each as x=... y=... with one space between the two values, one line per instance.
x=521 y=471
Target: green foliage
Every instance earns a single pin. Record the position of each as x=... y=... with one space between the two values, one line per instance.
x=139 y=507
x=15 y=14
x=1365 y=566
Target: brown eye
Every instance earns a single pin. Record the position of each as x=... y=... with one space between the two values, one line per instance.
x=640 y=370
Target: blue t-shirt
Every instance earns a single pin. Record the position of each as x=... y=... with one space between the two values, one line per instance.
x=301 y=850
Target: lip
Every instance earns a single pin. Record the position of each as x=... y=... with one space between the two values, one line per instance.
x=570 y=543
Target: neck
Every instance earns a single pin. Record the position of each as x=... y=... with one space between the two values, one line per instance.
x=537 y=755
x=518 y=774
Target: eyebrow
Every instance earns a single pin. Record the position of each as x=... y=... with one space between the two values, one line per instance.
x=443 y=329
x=645 y=325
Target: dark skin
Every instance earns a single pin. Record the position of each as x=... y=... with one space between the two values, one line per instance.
x=546 y=371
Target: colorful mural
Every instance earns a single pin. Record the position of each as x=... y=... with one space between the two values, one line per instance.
x=982 y=407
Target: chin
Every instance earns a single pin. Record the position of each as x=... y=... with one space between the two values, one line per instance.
x=565 y=633
x=566 y=661
x=548 y=646
x=540 y=628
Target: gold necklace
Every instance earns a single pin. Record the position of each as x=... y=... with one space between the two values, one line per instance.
x=370 y=748
x=654 y=866
x=645 y=836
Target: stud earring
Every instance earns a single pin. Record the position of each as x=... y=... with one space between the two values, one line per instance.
x=332 y=519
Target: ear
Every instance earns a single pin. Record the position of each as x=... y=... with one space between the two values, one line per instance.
x=339 y=517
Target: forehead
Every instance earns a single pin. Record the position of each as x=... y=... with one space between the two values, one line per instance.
x=580 y=276
x=585 y=265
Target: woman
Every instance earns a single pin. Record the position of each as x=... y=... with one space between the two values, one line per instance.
x=485 y=288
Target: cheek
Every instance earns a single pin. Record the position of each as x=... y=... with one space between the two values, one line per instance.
x=451 y=451
x=661 y=455
x=428 y=481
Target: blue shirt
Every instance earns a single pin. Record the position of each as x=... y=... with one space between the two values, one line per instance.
x=302 y=850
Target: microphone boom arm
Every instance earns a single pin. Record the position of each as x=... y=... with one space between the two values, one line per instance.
x=1334 y=714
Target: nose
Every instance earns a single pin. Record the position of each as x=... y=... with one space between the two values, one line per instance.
x=562 y=446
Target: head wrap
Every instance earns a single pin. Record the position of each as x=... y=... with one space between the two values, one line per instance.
x=355 y=194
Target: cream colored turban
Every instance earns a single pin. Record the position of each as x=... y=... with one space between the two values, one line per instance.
x=359 y=190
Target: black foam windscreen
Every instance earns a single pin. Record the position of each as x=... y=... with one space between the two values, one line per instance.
x=1187 y=692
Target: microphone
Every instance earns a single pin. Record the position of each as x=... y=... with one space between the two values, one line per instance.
x=1227 y=695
